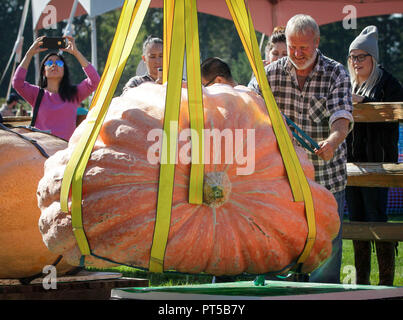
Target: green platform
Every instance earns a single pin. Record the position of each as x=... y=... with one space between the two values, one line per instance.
x=272 y=290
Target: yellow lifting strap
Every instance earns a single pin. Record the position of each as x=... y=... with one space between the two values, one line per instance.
x=130 y=21
x=171 y=117
x=180 y=25
x=182 y=16
x=195 y=102
x=195 y=97
x=298 y=182
x=167 y=36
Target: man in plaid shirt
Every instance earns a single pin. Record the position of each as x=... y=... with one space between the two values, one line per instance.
x=315 y=93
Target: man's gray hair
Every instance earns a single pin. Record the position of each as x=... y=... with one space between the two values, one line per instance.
x=302 y=24
x=149 y=41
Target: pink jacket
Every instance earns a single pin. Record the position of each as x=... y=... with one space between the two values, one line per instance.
x=54 y=114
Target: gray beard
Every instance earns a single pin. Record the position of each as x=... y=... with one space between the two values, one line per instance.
x=306 y=64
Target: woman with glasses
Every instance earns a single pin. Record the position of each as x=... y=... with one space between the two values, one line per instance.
x=58 y=106
x=371 y=142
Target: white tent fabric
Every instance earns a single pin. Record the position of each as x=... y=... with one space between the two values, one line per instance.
x=91 y=7
x=265 y=13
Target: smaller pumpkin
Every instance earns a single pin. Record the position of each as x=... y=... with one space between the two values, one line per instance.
x=22 y=251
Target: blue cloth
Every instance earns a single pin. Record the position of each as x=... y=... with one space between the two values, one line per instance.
x=329 y=272
x=82 y=111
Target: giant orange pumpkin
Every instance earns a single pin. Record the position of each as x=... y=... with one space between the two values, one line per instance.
x=254 y=226
x=22 y=251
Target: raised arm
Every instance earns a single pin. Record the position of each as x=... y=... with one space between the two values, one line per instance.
x=33 y=50
x=26 y=90
x=73 y=50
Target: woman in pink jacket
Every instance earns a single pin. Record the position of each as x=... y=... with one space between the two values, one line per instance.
x=58 y=107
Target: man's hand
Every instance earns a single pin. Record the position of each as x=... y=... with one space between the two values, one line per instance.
x=326 y=151
x=338 y=132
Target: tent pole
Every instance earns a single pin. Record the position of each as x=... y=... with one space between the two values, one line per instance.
x=36 y=58
x=17 y=46
x=94 y=57
x=260 y=49
x=67 y=31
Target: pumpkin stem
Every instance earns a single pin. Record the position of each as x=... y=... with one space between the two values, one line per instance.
x=217 y=188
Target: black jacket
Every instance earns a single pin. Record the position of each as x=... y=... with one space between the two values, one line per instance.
x=377 y=142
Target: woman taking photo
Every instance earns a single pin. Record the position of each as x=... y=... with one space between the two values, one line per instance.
x=58 y=107
x=371 y=142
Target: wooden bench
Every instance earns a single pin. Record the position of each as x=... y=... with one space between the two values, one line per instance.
x=375 y=175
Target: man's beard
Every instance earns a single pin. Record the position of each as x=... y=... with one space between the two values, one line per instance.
x=307 y=64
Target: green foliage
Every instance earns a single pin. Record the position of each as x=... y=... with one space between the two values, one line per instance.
x=218 y=37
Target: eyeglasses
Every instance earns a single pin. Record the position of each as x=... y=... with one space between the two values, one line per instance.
x=50 y=63
x=359 y=58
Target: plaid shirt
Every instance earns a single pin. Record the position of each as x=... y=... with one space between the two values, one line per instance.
x=136 y=81
x=325 y=97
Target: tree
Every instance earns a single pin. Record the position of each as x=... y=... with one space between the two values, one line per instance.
x=218 y=37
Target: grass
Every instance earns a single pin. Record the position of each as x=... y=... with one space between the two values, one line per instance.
x=348 y=260
x=348 y=264
x=170 y=279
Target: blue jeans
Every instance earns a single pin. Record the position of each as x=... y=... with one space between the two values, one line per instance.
x=329 y=272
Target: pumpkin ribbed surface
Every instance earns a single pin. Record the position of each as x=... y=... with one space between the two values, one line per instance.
x=247 y=223
x=22 y=251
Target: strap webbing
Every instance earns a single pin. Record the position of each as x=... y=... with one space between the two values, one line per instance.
x=195 y=102
x=174 y=33
x=167 y=37
x=34 y=142
x=182 y=17
x=36 y=106
x=171 y=116
x=131 y=18
x=298 y=182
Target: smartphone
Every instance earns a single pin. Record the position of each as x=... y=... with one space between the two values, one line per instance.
x=54 y=43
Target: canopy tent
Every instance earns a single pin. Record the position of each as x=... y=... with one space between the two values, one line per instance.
x=91 y=7
x=266 y=14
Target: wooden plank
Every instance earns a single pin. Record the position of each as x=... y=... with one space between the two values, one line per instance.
x=378 y=112
x=87 y=286
x=383 y=231
x=81 y=276
x=373 y=174
x=18 y=121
